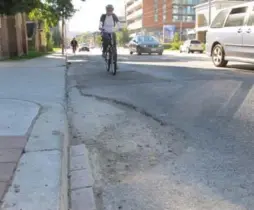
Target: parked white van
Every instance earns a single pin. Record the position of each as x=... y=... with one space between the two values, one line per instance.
x=230 y=36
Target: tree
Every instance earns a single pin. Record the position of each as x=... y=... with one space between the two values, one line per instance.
x=46 y=14
x=56 y=36
x=50 y=12
x=176 y=37
x=123 y=37
x=64 y=8
x=98 y=39
x=84 y=37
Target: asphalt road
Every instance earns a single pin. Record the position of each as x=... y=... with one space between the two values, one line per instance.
x=167 y=132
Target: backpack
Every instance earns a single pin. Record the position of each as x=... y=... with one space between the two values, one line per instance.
x=103 y=18
x=74 y=43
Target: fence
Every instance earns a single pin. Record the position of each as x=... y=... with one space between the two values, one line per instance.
x=12 y=36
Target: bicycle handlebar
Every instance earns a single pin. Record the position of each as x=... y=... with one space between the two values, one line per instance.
x=103 y=30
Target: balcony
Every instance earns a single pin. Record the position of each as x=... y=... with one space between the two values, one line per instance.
x=135 y=25
x=135 y=5
x=128 y=2
x=136 y=14
x=201 y=20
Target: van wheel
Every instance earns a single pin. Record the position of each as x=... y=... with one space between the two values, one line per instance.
x=218 y=56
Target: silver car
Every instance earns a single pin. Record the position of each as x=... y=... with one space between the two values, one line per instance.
x=230 y=37
x=191 y=46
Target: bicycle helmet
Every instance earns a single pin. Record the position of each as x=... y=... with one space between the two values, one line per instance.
x=110 y=6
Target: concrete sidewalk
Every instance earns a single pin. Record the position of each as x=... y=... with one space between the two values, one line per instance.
x=33 y=134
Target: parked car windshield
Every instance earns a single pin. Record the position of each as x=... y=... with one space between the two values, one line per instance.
x=195 y=42
x=146 y=39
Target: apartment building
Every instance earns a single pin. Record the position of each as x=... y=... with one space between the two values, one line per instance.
x=122 y=20
x=150 y=16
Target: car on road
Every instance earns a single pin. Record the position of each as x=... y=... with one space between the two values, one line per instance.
x=145 y=44
x=191 y=46
x=230 y=37
x=83 y=47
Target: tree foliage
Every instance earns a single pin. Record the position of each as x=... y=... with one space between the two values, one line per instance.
x=56 y=36
x=84 y=37
x=45 y=14
x=61 y=8
x=123 y=37
x=11 y=7
x=176 y=37
x=98 y=40
x=48 y=12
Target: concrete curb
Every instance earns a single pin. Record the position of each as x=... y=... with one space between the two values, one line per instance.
x=81 y=179
x=64 y=197
x=41 y=178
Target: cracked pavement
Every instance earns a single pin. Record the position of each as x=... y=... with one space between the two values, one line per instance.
x=167 y=132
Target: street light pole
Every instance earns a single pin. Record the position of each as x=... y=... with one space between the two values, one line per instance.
x=181 y=28
x=209 y=8
x=63 y=35
x=181 y=22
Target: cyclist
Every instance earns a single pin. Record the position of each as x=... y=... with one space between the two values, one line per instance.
x=109 y=23
x=74 y=44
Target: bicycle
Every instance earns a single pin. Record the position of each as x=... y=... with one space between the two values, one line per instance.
x=74 y=49
x=110 y=56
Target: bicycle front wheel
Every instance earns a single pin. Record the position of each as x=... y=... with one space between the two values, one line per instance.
x=107 y=62
x=113 y=63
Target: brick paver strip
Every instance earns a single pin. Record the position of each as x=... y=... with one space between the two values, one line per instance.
x=13 y=142
x=6 y=171
x=3 y=187
x=11 y=148
x=10 y=155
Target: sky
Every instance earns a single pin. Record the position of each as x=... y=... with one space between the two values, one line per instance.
x=88 y=16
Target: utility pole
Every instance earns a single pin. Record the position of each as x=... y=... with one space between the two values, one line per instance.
x=63 y=35
x=181 y=21
x=209 y=8
x=181 y=28
x=66 y=55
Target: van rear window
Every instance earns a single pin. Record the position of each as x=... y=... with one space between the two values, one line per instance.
x=236 y=17
x=219 y=20
x=195 y=42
